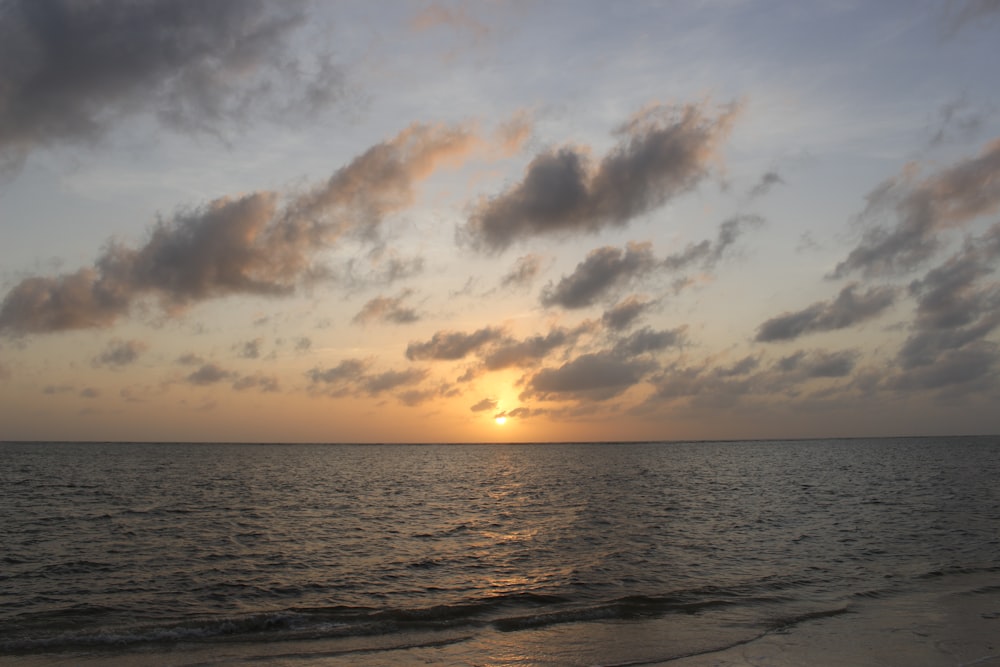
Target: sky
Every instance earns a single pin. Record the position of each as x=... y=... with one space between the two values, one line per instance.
x=498 y=221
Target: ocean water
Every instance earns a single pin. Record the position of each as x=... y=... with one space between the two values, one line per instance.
x=215 y=554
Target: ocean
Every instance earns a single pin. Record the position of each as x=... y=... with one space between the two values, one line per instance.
x=488 y=554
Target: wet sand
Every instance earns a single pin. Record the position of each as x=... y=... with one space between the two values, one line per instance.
x=949 y=621
x=952 y=622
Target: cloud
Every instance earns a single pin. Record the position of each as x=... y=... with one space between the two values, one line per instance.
x=523 y=273
x=524 y=413
x=970 y=367
x=485 y=404
x=708 y=254
x=603 y=269
x=649 y=340
x=950 y=198
x=346 y=371
x=766 y=182
x=90 y=392
x=957 y=121
x=804 y=365
x=848 y=309
x=351 y=377
x=513 y=352
x=746 y=365
x=594 y=377
x=250 y=349
x=379 y=269
x=208 y=374
x=608 y=268
x=716 y=386
x=387 y=309
x=624 y=313
x=452 y=345
x=120 y=353
x=265 y=383
x=385 y=381
x=952 y=295
x=957 y=308
x=968 y=12
x=380 y=181
x=662 y=152
x=189 y=359
x=248 y=245
x=70 y=71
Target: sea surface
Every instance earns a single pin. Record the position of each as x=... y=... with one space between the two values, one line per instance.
x=554 y=554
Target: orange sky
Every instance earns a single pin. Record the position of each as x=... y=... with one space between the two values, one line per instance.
x=398 y=222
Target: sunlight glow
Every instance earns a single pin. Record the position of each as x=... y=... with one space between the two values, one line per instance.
x=501 y=420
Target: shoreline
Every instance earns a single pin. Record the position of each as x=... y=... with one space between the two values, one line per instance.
x=953 y=620
x=954 y=623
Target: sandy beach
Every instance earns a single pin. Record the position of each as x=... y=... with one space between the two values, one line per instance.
x=954 y=622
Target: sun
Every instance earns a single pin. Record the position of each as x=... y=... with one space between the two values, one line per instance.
x=501 y=420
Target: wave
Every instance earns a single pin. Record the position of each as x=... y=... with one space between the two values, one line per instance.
x=503 y=613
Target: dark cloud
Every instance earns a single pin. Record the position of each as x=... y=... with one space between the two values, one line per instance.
x=962 y=13
x=249 y=245
x=452 y=345
x=971 y=367
x=69 y=71
x=603 y=269
x=522 y=413
x=75 y=301
x=957 y=308
x=344 y=372
x=415 y=397
x=744 y=366
x=512 y=352
x=599 y=376
x=380 y=181
x=485 y=404
x=957 y=121
x=950 y=198
x=190 y=360
x=207 y=374
x=804 y=365
x=625 y=313
x=662 y=152
x=523 y=273
x=385 y=381
x=351 y=377
x=953 y=294
x=649 y=340
x=608 y=268
x=766 y=182
x=379 y=269
x=303 y=344
x=707 y=254
x=593 y=377
x=848 y=309
x=90 y=392
x=387 y=309
x=265 y=383
x=250 y=349
x=120 y=353
x=716 y=386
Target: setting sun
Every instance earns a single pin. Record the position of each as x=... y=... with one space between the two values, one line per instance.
x=501 y=420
